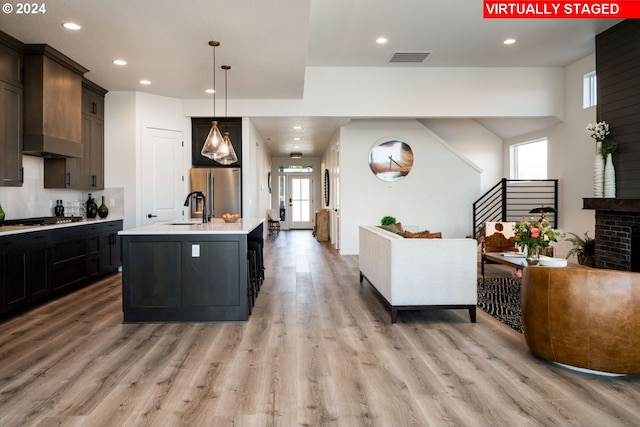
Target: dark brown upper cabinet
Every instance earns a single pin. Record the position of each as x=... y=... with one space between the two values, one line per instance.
x=87 y=172
x=200 y=127
x=11 y=101
x=52 y=103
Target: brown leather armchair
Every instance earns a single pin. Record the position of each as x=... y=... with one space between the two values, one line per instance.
x=583 y=317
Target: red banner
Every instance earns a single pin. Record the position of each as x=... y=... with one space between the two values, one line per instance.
x=562 y=9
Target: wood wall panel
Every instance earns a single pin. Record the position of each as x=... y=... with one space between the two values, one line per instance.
x=618 y=71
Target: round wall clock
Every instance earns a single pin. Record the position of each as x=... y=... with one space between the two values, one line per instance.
x=326 y=187
x=390 y=160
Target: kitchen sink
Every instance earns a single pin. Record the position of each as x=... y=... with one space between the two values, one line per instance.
x=185 y=222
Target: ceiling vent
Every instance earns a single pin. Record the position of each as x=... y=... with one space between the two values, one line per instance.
x=412 y=57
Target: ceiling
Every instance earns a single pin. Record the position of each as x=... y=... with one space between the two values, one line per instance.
x=269 y=43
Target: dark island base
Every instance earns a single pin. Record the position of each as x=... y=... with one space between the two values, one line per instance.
x=186 y=277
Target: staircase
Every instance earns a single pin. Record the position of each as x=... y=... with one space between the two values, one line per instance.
x=512 y=199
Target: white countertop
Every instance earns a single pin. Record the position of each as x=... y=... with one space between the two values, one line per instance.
x=193 y=226
x=8 y=230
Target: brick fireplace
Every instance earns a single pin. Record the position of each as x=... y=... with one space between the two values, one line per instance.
x=617 y=233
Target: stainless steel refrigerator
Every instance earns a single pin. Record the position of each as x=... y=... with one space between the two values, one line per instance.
x=222 y=190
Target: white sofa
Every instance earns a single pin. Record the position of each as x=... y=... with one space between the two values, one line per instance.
x=420 y=274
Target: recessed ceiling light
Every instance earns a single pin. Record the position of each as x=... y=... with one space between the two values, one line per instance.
x=296 y=139
x=120 y=62
x=297 y=127
x=145 y=82
x=71 y=26
x=210 y=91
x=509 y=41
x=381 y=40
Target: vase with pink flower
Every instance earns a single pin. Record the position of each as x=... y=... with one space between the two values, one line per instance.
x=533 y=236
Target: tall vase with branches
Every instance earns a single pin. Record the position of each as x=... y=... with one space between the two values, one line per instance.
x=608 y=148
x=598 y=132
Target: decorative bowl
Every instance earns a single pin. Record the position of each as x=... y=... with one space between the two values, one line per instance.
x=230 y=220
x=553 y=262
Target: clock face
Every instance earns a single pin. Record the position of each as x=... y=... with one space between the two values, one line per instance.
x=326 y=187
x=390 y=160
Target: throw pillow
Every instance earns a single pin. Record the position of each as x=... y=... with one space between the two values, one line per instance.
x=392 y=228
x=424 y=235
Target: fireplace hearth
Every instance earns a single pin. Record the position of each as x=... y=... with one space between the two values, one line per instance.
x=617 y=233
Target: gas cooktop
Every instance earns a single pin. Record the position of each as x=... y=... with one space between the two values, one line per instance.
x=43 y=220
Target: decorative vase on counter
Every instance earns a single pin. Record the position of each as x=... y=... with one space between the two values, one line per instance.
x=92 y=208
x=609 y=178
x=1 y=216
x=598 y=172
x=59 y=209
x=103 y=210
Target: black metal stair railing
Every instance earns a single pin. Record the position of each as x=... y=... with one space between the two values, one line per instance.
x=512 y=199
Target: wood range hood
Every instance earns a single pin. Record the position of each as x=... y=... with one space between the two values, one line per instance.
x=52 y=103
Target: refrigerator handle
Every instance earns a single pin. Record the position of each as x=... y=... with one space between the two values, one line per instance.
x=210 y=187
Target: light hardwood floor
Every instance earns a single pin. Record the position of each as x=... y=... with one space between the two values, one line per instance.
x=319 y=349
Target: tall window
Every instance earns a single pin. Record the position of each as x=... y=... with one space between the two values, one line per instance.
x=529 y=160
x=589 y=90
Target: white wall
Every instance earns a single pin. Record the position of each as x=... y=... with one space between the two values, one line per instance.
x=571 y=154
x=127 y=114
x=256 y=164
x=476 y=142
x=410 y=92
x=436 y=195
x=120 y=149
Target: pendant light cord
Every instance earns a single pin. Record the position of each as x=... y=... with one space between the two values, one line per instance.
x=214 y=82
x=226 y=92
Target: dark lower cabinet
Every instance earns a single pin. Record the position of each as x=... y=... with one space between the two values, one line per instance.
x=38 y=265
x=68 y=264
x=25 y=273
x=110 y=248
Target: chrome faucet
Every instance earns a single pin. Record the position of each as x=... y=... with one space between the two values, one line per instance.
x=199 y=195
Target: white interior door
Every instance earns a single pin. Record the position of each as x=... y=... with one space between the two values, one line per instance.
x=162 y=174
x=300 y=206
x=336 y=197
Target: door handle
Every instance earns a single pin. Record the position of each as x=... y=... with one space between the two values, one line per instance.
x=152 y=216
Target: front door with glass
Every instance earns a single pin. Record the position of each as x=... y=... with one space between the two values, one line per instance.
x=300 y=201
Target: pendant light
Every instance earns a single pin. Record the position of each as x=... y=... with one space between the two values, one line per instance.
x=225 y=155
x=214 y=139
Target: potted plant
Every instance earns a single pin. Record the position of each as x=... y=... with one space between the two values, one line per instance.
x=584 y=248
x=388 y=220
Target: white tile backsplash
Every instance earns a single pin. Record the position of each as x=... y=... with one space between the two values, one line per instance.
x=33 y=200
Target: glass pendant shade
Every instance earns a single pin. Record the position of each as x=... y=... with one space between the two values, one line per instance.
x=213 y=142
x=225 y=155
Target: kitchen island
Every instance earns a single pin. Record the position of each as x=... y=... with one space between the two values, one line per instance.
x=187 y=271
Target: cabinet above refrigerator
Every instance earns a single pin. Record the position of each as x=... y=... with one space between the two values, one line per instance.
x=200 y=127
